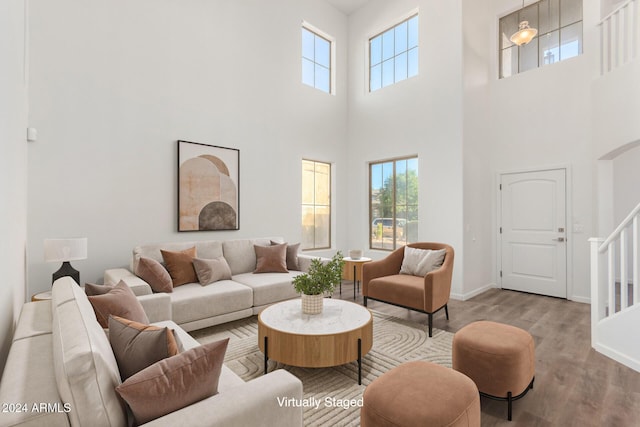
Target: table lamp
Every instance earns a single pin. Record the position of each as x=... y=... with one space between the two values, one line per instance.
x=65 y=250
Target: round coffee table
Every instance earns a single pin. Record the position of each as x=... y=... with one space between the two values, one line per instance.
x=342 y=333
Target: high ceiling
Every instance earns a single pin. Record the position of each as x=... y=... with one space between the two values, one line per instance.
x=347 y=6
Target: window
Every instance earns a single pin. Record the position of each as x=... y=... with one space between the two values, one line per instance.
x=316 y=205
x=316 y=60
x=559 y=25
x=393 y=203
x=393 y=55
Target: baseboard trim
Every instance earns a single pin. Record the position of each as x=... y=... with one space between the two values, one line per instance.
x=474 y=293
x=584 y=300
x=618 y=357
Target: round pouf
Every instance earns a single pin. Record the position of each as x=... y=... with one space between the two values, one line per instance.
x=421 y=394
x=499 y=358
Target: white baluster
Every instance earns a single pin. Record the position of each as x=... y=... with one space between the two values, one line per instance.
x=636 y=297
x=624 y=284
x=611 y=273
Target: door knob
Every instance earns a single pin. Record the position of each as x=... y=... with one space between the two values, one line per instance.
x=559 y=239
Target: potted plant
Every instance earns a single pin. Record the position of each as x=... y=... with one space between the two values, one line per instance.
x=321 y=278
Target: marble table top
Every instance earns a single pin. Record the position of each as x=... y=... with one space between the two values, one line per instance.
x=337 y=316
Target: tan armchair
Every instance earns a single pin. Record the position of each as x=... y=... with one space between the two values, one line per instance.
x=382 y=281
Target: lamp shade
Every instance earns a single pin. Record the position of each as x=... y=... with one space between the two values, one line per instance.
x=62 y=250
x=524 y=34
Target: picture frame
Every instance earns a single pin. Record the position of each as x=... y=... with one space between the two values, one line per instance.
x=208 y=187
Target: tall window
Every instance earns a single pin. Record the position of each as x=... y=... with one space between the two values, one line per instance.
x=393 y=54
x=559 y=25
x=316 y=60
x=316 y=205
x=393 y=203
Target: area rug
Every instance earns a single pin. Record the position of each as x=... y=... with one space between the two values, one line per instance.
x=395 y=341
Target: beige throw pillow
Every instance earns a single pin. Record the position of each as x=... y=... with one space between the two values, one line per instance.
x=119 y=301
x=211 y=270
x=419 y=262
x=136 y=345
x=154 y=273
x=180 y=266
x=271 y=259
x=175 y=382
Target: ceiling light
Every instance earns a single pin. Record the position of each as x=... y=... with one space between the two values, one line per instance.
x=524 y=34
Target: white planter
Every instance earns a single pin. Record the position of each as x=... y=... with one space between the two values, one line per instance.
x=312 y=304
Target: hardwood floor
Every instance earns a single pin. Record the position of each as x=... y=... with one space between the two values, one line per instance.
x=574 y=386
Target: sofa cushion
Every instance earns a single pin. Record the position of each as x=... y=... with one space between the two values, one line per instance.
x=180 y=265
x=204 y=249
x=419 y=262
x=175 y=382
x=136 y=345
x=269 y=287
x=85 y=368
x=119 y=301
x=155 y=274
x=211 y=270
x=35 y=319
x=193 y=301
x=271 y=259
x=240 y=254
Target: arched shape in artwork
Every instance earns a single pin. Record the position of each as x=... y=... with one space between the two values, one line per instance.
x=217 y=216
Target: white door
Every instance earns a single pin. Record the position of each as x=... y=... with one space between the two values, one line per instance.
x=533 y=232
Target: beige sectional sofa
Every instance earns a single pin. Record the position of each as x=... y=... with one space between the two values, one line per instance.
x=193 y=306
x=61 y=371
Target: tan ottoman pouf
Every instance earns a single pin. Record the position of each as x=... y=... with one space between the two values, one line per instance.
x=499 y=358
x=421 y=394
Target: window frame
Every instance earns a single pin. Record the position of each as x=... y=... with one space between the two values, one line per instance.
x=330 y=205
x=332 y=56
x=394 y=217
x=404 y=18
x=538 y=37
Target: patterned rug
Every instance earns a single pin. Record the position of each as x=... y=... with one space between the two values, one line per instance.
x=395 y=341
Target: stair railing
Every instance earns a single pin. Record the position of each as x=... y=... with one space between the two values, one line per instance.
x=604 y=266
x=619 y=36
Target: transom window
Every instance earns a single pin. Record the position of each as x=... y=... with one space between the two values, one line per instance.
x=559 y=25
x=393 y=203
x=316 y=205
x=316 y=60
x=393 y=54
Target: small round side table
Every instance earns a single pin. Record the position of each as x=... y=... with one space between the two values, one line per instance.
x=357 y=268
x=42 y=296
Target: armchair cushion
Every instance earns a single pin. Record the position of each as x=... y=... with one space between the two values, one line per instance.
x=419 y=262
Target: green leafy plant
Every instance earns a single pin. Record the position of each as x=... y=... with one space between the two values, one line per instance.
x=322 y=276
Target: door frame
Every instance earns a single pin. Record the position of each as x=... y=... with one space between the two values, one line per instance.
x=568 y=213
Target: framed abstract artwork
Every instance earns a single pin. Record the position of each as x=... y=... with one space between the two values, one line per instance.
x=208 y=187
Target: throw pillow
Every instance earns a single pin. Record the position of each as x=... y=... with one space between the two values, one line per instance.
x=271 y=259
x=180 y=266
x=175 y=382
x=119 y=301
x=419 y=262
x=292 y=256
x=93 y=289
x=136 y=345
x=212 y=270
x=154 y=273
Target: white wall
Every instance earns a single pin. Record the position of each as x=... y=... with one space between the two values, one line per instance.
x=626 y=176
x=13 y=168
x=114 y=84
x=478 y=176
x=421 y=115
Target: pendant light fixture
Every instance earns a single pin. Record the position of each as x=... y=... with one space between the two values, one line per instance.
x=524 y=34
